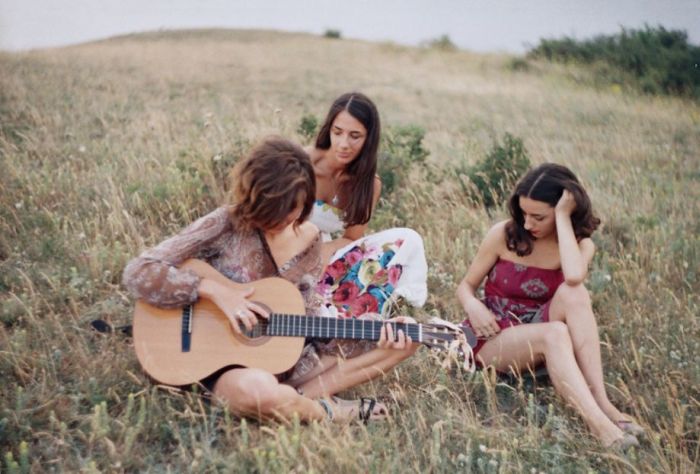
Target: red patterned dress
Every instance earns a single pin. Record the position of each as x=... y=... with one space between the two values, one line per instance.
x=519 y=294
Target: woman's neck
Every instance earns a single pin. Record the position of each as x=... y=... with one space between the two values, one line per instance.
x=326 y=168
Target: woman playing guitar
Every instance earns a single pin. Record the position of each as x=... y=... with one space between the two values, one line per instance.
x=263 y=232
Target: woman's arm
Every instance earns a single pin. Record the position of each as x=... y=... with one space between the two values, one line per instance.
x=575 y=256
x=154 y=277
x=481 y=319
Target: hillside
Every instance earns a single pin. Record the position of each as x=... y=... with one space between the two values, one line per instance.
x=110 y=146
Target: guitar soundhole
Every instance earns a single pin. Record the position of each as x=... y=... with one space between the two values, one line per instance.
x=257 y=335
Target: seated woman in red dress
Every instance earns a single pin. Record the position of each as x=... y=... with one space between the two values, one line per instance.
x=535 y=308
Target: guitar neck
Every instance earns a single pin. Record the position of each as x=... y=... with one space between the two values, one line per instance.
x=334 y=328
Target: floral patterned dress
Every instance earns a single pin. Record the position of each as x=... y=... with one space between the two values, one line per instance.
x=519 y=294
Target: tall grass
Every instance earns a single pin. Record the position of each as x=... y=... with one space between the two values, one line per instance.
x=108 y=147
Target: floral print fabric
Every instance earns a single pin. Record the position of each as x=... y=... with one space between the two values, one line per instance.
x=362 y=280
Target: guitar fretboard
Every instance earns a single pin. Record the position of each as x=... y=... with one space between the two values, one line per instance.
x=334 y=328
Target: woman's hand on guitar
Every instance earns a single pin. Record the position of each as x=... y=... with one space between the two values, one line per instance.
x=402 y=341
x=240 y=311
x=482 y=320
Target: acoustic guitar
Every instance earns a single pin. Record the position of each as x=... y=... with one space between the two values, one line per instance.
x=183 y=346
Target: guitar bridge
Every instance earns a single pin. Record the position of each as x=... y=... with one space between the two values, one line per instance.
x=186 y=334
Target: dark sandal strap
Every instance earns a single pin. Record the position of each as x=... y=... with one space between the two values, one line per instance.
x=327 y=407
x=366 y=408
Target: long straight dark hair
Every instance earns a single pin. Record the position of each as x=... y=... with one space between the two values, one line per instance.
x=356 y=191
x=547 y=183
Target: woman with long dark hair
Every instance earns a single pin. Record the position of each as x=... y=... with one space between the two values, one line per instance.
x=535 y=307
x=363 y=272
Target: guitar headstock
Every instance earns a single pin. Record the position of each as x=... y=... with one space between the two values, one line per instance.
x=456 y=340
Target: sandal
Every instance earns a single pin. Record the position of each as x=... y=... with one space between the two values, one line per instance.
x=630 y=427
x=366 y=409
x=327 y=408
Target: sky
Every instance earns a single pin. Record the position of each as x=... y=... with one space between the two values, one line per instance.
x=478 y=25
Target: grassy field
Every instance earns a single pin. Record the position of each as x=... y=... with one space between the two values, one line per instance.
x=108 y=147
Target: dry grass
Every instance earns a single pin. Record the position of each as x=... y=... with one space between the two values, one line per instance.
x=110 y=146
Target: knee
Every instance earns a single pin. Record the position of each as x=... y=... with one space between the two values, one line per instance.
x=574 y=295
x=253 y=391
x=555 y=336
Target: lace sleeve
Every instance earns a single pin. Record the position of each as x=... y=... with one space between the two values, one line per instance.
x=154 y=277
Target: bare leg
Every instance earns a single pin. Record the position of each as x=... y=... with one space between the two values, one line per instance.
x=572 y=306
x=255 y=392
x=345 y=373
x=325 y=365
x=525 y=345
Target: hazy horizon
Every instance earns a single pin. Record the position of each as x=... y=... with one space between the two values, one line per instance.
x=478 y=25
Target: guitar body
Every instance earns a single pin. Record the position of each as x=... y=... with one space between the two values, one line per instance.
x=213 y=344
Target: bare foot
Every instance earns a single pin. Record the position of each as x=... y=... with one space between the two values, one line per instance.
x=608 y=433
x=622 y=420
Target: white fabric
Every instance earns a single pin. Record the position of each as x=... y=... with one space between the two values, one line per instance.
x=412 y=285
x=327 y=219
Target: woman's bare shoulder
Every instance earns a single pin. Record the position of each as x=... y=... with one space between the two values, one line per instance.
x=314 y=153
x=495 y=238
x=307 y=232
x=498 y=230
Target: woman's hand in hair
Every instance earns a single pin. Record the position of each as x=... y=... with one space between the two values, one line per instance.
x=566 y=204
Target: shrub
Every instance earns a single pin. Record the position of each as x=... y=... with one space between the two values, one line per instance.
x=333 y=34
x=653 y=60
x=518 y=64
x=443 y=42
x=308 y=126
x=402 y=148
x=490 y=180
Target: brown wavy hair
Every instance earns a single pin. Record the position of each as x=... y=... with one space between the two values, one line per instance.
x=357 y=188
x=269 y=184
x=547 y=183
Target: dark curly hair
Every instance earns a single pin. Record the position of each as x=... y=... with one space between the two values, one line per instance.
x=357 y=190
x=269 y=184
x=547 y=183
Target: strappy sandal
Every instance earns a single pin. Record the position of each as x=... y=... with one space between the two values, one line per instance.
x=366 y=409
x=327 y=408
x=630 y=427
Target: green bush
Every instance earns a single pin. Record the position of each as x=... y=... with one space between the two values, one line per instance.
x=333 y=34
x=653 y=60
x=402 y=147
x=308 y=126
x=491 y=180
x=443 y=42
x=518 y=64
